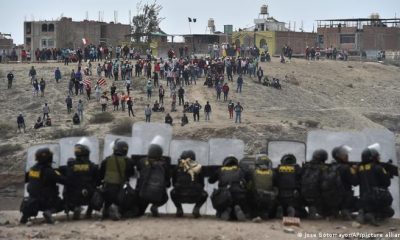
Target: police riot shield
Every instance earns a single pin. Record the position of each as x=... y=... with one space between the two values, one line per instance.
x=277 y=148
x=220 y=148
x=109 y=140
x=31 y=160
x=67 y=149
x=358 y=141
x=148 y=131
x=202 y=153
x=327 y=140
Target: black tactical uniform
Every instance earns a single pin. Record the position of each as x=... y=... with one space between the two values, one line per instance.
x=311 y=180
x=153 y=181
x=115 y=171
x=348 y=177
x=230 y=198
x=375 y=197
x=81 y=181
x=186 y=189
x=42 y=188
x=288 y=178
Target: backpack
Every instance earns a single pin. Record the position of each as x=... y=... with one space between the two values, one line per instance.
x=310 y=180
x=332 y=188
x=154 y=185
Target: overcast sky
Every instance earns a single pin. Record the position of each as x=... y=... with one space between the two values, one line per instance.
x=239 y=13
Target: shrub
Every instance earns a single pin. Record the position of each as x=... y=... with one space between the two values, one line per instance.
x=104 y=117
x=71 y=132
x=9 y=149
x=123 y=128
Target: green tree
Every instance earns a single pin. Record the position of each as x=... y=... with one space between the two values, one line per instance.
x=146 y=21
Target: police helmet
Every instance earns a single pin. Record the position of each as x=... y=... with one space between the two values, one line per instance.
x=288 y=159
x=320 y=155
x=230 y=161
x=366 y=155
x=81 y=150
x=188 y=154
x=155 y=149
x=120 y=148
x=263 y=161
x=44 y=155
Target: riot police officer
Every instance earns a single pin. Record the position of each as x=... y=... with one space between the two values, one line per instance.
x=42 y=188
x=230 y=198
x=115 y=171
x=154 y=178
x=263 y=194
x=81 y=181
x=348 y=178
x=188 y=188
x=288 y=178
x=375 y=197
x=310 y=182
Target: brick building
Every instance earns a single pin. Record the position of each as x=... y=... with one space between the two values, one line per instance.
x=65 y=33
x=360 y=35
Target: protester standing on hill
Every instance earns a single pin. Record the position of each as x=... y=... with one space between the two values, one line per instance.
x=97 y=90
x=196 y=111
x=260 y=74
x=231 y=106
x=42 y=87
x=46 y=111
x=130 y=107
x=238 y=110
x=68 y=101
x=147 y=113
x=57 y=74
x=10 y=78
x=21 y=123
x=207 y=111
x=32 y=74
x=103 y=102
x=239 y=84
x=225 y=90
x=79 y=108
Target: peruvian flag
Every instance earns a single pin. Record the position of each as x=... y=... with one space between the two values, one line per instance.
x=84 y=40
x=87 y=82
x=102 y=82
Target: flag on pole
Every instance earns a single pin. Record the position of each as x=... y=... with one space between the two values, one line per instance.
x=189 y=19
x=84 y=40
x=101 y=82
x=194 y=19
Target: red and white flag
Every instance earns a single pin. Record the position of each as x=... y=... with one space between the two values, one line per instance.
x=84 y=40
x=101 y=82
x=87 y=82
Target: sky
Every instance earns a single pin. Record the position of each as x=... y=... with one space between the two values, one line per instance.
x=239 y=13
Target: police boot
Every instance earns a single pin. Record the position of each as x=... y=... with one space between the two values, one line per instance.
x=226 y=214
x=23 y=220
x=105 y=213
x=346 y=215
x=154 y=211
x=114 y=212
x=360 y=217
x=196 y=211
x=312 y=213
x=77 y=213
x=179 y=211
x=279 y=212
x=48 y=217
x=88 y=214
x=239 y=213
x=291 y=212
x=370 y=218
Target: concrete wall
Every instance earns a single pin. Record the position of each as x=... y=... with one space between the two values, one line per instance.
x=115 y=33
x=245 y=38
x=298 y=41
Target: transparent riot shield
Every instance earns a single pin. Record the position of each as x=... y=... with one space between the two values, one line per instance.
x=148 y=131
x=327 y=140
x=202 y=153
x=358 y=141
x=220 y=148
x=67 y=149
x=276 y=149
x=30 y=159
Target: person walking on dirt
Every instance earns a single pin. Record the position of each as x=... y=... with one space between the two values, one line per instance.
x=225 y=90
x=21 y=123
x=239 y=84
x=42 y=87
x=57 y=74
x=147 y=113
x=207 y=111
x=10 y=78
x=79 y=108
x=68 y=101
x=130 y=107
x=46 y=111
x=32 y=74
x=231 y=106
x=181 y=94
x=260 y=74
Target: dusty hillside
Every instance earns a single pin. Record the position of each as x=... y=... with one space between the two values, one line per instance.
x=324 y=94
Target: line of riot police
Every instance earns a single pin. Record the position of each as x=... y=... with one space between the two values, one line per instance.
x=245 y=191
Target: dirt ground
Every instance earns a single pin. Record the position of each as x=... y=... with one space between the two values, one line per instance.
x=331 y=95
x=206 y=228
